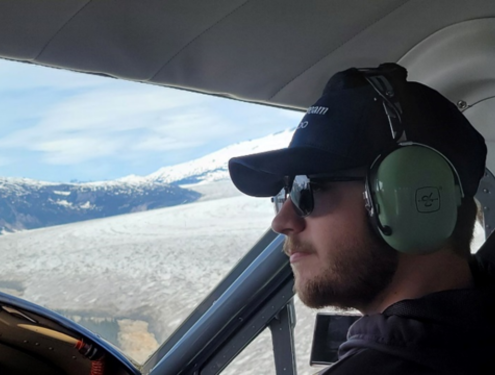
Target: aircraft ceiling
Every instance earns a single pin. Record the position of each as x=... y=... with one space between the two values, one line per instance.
x=277 y=51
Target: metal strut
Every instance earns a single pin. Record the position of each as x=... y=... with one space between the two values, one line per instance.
x=282 y=328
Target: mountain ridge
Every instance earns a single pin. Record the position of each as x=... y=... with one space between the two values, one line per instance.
x=27 y=203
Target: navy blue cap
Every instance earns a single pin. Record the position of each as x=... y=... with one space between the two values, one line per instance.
x=348 y=127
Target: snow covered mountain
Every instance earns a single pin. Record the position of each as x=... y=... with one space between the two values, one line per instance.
x=213 y=167
x=29 y=204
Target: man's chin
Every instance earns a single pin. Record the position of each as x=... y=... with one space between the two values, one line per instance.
x=309 y=294
x=318 y=295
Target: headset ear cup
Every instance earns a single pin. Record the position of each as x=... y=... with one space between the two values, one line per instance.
x=414 y=193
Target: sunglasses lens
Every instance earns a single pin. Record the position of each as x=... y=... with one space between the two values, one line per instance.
x=301 y=193
x=279 y=200
x=302 y=196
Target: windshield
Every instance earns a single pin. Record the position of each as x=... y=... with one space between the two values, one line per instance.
x=117 y=209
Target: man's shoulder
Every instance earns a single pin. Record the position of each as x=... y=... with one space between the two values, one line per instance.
x=371 y=362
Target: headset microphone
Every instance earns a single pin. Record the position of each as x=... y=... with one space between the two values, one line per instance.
x=386 y=230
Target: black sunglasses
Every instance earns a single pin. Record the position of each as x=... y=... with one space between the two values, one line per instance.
x=299 y=190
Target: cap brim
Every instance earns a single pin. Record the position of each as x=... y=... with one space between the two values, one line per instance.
x=262 y=175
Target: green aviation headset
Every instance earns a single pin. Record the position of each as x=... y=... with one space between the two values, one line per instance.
x=412 y=191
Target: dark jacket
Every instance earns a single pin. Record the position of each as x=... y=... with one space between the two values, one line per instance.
x=450 y=332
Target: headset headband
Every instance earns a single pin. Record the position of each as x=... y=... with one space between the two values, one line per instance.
x=377 y=78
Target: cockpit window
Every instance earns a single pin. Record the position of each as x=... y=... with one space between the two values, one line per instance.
x=116 y=207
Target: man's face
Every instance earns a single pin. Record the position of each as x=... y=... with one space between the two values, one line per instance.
x=336 y=258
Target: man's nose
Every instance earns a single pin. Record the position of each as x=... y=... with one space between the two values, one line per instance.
x=287 y=221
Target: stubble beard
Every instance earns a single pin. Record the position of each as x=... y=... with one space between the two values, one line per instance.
x=357 y=272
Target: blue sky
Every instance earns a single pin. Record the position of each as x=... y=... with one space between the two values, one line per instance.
x=61 y=126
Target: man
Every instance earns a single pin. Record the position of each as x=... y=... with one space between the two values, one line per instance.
x=378 y=185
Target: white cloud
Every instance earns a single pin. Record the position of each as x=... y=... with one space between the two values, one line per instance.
x=114 y=122
x=116 y=109
x=70 y=151
x=202 y=124
x=92 y=118
x=160 y=143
